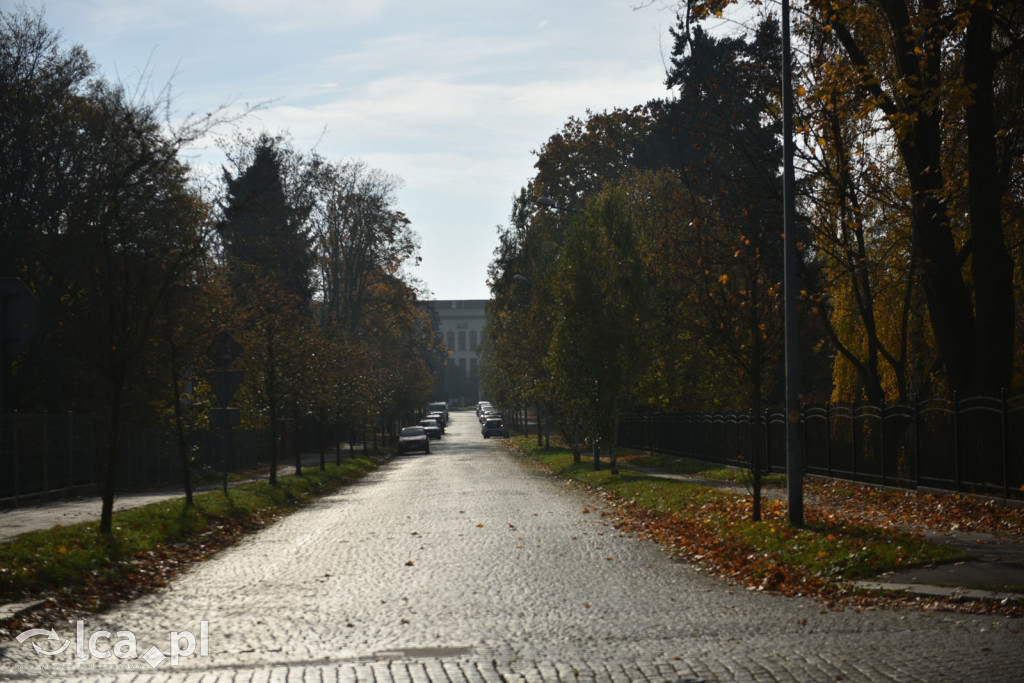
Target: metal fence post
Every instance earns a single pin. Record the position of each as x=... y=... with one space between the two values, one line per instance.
x=881 y=435
x=803 y=441
x=46 y=450
x=71 y=449
x=751 y=446
x=853 y=438
x=15 y=452
x=1006 y=456
x=767 y=448
x=828 y=437
x=917 y=441
x=956 y=439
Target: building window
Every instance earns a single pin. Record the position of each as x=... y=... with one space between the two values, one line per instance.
x=462 y=366
x=451 y=341
x=462 y=340
x=473 y=341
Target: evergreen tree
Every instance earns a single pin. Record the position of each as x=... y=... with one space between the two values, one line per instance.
x=263 y=234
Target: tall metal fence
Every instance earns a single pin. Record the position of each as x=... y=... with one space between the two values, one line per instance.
x=41 y=452
x=973 y=444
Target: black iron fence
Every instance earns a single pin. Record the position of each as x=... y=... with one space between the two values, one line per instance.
x=41 y=452
x=973 y=444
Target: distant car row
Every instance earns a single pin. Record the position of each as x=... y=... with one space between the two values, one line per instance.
x=417 y=437
x=492 y=423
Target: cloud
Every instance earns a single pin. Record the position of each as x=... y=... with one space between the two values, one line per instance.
x=451 y=95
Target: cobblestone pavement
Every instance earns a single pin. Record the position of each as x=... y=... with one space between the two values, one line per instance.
x=464 y=565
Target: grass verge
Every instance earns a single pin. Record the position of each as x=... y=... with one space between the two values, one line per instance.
x=713 y=529
x=75 y=568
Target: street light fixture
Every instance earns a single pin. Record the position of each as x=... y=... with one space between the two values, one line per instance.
x=794 y=441
x=549 y=203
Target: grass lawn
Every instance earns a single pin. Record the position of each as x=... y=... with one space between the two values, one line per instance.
x=77 y=568
x=714 y=528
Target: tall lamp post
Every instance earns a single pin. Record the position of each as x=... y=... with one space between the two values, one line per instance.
x=794 y=441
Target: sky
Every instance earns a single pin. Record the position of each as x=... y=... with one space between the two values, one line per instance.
x=452 y=96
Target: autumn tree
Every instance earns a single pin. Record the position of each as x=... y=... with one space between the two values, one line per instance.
x=184 y=329
x=358 y=234
x=518 y=323
x=100 y=218
x=576 y=162
x=572 y=165
x=603 y=296
x=720 y=135
x=940 y=76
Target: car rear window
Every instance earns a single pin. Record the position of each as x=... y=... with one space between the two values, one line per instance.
x=413 y=431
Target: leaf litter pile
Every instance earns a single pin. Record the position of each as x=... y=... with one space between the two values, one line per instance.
x=852 y=531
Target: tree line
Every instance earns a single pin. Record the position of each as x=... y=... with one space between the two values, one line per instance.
x=641 y=268
x=140 y=263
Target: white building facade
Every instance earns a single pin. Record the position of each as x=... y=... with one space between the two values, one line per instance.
x=461 y=326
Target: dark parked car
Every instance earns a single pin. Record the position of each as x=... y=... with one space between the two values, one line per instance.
x=413 y=439
x=431 y=428
x=439 y=418
x=494 y=426
x=439 y=407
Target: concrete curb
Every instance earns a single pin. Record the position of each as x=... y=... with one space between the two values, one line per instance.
x=12 y=610
x=954 y=593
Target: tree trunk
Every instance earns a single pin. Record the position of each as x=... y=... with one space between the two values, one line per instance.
x=273 y=443
x=576 y=444
x=110 y=469
x=949 y=303
x=323 y=446
x=991 y=264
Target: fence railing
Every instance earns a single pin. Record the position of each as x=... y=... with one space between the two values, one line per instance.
x=973 y=444
x=42 y=452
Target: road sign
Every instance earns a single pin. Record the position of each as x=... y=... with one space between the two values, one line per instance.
x=225 y=383
x=224 y=350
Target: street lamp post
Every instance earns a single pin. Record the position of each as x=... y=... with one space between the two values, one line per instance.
x=794 y=442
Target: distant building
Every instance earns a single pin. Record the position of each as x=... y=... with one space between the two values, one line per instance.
x=461 y=326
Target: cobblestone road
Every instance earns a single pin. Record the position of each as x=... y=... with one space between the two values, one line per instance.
x=465 y=565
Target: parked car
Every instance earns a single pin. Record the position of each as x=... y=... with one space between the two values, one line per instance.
x=431 y=428
x=494 y=426
x=440 y=419
x=413 y=439
x=482 y=407
x=490 y=414
x=439 y=407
